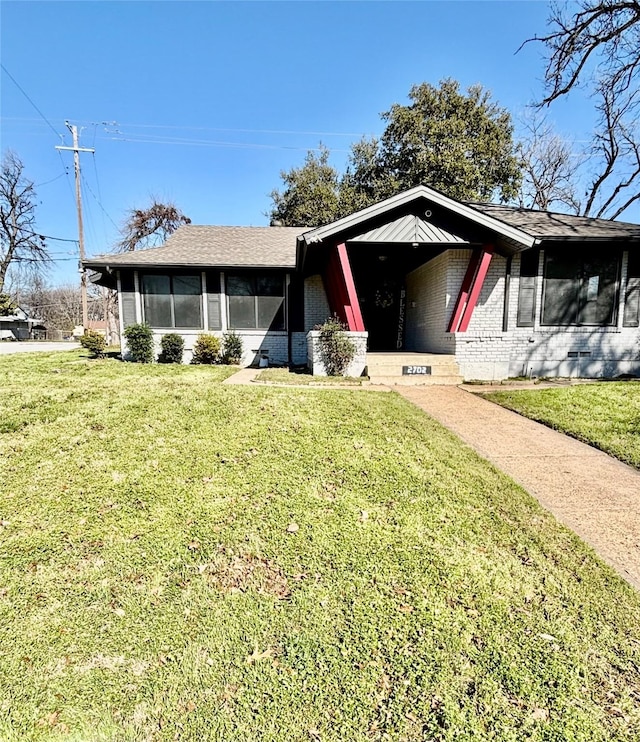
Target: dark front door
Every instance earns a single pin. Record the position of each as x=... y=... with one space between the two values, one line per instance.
x=380 y=288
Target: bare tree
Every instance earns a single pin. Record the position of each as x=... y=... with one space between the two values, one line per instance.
x=548 y=168
x=151 y=226
x=19 y=242
x=60 y=307
x=615 y=150
x=597 y=46
x=608 y=30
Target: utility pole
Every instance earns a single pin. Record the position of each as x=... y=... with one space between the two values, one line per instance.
x=76 y=149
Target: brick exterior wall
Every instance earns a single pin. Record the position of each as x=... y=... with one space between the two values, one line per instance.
x=316 y=306
x=429 y=305
x=485 y=351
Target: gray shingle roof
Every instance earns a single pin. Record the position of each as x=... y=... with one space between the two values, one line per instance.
x=193 y=245
x=547 y=225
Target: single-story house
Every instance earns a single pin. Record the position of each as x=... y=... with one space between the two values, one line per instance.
x=21 y=326
x=426 y=283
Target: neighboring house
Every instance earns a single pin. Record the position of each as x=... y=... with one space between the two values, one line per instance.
x=20 y=326
x=502 y=291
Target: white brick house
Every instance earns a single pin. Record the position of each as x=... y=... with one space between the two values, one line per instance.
x=503 y=291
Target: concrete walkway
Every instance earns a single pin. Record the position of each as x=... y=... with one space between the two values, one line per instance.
x=592 y=493
x=243 y=376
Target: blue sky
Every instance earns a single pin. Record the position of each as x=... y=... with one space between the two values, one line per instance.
x=204 y=103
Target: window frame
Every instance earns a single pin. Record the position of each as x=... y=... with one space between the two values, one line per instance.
x=254 y=277
x=171 y=276
x=581 y=293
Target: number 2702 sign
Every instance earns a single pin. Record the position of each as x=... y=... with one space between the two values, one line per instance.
x=416 y=370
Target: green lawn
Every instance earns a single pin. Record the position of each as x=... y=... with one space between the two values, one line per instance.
x=183 y=560
x=606 y=415
x=299 y=378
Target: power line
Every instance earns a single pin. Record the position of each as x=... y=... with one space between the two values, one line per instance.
x=46 y=182
x=213 y=143
x=50 y=125
x=48 y=236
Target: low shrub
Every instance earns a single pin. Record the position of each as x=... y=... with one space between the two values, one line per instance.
x=94 y=342
x=231 y=348
x=172 y=348
x=140 y=342
x=206 y=349
x=336 y=347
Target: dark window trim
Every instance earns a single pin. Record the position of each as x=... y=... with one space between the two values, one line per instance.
x=171 y=275
x=255 y=275
x=581 y=294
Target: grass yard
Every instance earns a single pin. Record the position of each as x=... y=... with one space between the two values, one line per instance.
x=605 y=415
x=299 y=378
x=183 y=560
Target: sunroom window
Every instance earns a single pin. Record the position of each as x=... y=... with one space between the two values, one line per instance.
x=255 y=301
x=172 y=301
x=580 y=287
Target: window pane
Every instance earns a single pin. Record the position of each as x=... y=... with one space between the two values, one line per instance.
x=269 y=286
x=561 y=289
x=157 y=300
x=240 y=286
x=271 y=312
x=599 y=290
x=242 y=312
x=187 y=298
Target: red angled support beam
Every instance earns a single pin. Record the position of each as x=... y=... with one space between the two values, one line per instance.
x=341 y=289
x=463 y=296
x=470 y=289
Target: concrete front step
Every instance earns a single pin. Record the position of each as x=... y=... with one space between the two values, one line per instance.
x=417 y=380
x=386 y=368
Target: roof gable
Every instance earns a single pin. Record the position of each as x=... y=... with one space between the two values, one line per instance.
x=414 y=200
x=513 y=227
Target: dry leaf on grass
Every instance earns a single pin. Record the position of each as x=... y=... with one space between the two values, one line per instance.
x=256 y=655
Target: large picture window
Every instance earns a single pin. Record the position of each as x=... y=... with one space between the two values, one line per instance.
x=172 y=300
x=580 y=287
x=255 y=301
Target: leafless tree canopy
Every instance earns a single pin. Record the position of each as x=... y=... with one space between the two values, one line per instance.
x=548 y=168
x=149 y=227
x=597 y=46
x=606 y=29
x=60 y=307
x=616 y=149
x=19 y=242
